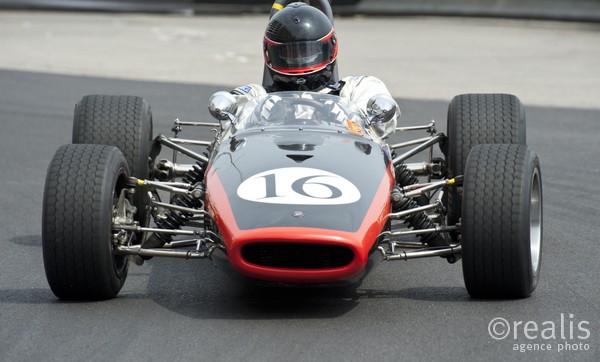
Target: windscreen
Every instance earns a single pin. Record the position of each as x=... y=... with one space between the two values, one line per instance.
x=302 y=110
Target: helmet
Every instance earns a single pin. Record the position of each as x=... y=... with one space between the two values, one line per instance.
x=300 y=48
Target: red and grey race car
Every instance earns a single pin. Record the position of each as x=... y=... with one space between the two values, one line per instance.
x=295 y=190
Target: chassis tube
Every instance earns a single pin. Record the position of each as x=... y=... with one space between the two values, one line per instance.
x=421 y=231
x=197 y=124
x=409 y=143
x=185 y=254
x=155 y=230
x=432 y=141
x=429 y=127
x=417 y=190
x=405 y=255
x=401 y=214
x=183 y=141
x=189 y=210
x=165 y=141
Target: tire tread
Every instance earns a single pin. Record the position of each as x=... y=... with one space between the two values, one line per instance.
x=74 y=221
x=495 y=246
x=117 y=121
x=479 y=119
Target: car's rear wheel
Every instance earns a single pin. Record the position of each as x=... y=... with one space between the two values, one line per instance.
x=502 y=221
x=83 y=184
x=124 y=122
x=475 y=119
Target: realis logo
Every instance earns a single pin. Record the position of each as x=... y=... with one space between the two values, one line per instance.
x=566 y=328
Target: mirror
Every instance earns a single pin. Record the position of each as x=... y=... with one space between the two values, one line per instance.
x=381 y=108
x=222 y=105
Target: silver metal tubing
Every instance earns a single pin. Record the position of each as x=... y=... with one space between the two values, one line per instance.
x=184 y=141
x=185 y=254
x=429 y=127
x=414 y=190
x=181 y=243
x=183 y=185
x=216 y=236
x=432 y=141
x=413 y=187
x=406 y=245
x=167 y=186
x=197 y=124
x=180 y=208
x=167 y=142
x=155 y=230
x=169 y=170
x=438 y=229
x=418 y=168
x=410 y=143
x=424 y=168
x=181 y=169
x=405 y=255
x=401 y=214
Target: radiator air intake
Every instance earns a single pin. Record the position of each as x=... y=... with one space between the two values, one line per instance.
x=297 y=256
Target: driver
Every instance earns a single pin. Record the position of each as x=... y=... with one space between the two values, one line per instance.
x=300 y=50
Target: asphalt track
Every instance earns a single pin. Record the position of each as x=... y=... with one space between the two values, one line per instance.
x=187 y=310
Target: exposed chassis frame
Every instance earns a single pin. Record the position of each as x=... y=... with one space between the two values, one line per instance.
x=203 y=242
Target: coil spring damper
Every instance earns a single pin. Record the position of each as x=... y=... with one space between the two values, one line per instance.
x=418 y=220
x=175 y=219
x=405 y=177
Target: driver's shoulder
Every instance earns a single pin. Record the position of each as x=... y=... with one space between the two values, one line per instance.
x=355 y=80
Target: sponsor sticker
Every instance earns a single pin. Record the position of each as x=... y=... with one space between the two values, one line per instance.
x=246 y=88
x=353 y=127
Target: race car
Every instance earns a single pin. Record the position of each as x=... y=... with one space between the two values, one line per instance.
x=298 y=189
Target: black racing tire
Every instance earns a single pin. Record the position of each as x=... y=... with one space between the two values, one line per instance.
x=502 y=221
x=124 y=122
x=475 y=119
x=82 y=185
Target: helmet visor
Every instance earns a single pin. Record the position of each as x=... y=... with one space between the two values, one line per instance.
x=301 y=57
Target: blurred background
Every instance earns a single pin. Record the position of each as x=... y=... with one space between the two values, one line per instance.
x=545 y=51
x=580 y=10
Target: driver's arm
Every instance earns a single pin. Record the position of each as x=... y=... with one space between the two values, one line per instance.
x=360 y=90
x=245 y=93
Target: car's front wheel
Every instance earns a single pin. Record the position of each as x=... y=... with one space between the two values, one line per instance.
x=83 y=185
x=502 y=221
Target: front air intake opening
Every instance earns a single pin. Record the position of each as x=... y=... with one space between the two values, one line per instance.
x=297 y=256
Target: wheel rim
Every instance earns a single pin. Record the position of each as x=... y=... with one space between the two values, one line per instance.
x=120 y=262
x=535 y=224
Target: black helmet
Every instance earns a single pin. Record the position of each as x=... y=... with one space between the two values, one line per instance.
x=300 y=48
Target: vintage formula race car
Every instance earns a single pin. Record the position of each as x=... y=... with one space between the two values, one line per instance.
x=298 y=189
